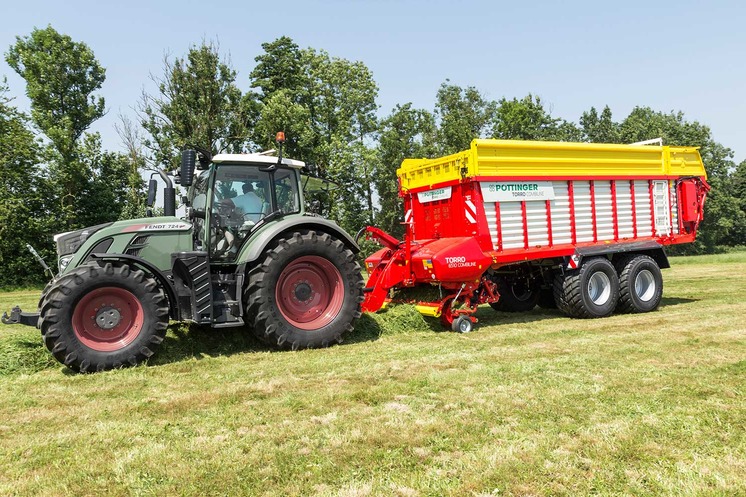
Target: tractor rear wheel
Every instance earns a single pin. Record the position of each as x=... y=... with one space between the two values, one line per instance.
x=592 y=291
x=103 y=316
x=640 y=284
x=306 y=293
x=516 y=295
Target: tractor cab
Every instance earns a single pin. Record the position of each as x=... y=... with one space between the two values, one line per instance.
x=235 y=196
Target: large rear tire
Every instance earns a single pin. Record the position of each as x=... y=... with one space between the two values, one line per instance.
x=103 y=316
x=306 y=293
x=516 y=295
x=640 y=284
x=589 y=292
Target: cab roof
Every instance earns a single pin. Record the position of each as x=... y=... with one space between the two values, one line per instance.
x=254 y=159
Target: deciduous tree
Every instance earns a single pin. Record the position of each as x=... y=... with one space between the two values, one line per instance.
x=23 y=217
x=197 y=104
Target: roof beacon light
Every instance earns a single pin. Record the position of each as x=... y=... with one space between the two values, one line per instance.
x=280 y=137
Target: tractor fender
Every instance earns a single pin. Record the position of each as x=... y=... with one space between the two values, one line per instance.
x=159 y=275
x=258 y=242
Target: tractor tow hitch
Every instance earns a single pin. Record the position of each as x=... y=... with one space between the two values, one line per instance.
x=18 y=317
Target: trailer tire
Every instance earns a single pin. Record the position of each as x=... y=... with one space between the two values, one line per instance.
x=103 y=316
x=546 y=299
x=592 y=291
x=640 y=284
x=306 y=293
x=515 y=296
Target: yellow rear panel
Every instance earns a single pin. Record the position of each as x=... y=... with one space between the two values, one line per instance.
x=514 y=158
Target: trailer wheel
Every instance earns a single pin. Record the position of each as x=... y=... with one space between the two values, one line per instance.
x=306 y=293
x=546 y=299
x=640 y=284
x=462 y=324
x=100 y=317
x=589 y=292
x=516 y=295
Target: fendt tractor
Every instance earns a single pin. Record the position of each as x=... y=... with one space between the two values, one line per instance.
x=576 y=226
x=245 y=253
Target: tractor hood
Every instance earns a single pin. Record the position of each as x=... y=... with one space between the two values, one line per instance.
x=74 y=247
x=70 y=241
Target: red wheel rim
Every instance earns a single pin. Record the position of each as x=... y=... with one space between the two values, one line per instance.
x=107 y=319
x=310 y=292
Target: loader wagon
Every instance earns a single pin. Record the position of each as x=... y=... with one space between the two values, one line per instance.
x=578 y=226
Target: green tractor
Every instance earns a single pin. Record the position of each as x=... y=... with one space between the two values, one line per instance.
x=245 y=253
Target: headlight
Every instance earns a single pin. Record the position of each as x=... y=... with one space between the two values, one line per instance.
x=68 y=243
x=64 y=261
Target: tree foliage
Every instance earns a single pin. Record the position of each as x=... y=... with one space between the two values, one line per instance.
x=197 y=104
x=463 y=114
x=327 y=108
x=527 y=119
x=61 y=76
x=405 y=133
x=68 y=181
x=601 y=128
x=25 y=190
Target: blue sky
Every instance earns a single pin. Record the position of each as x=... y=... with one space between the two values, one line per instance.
x=683 y=55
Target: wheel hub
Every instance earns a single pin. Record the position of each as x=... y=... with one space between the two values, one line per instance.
x=108 y=318
x=599 y=288
x=303 y=291
x=645 y=285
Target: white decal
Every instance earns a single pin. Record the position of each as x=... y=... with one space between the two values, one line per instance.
x=459 y=261
x=433 y=195
x=517 y=191
x=574 y=260
x=470 y=211
x=166 y=227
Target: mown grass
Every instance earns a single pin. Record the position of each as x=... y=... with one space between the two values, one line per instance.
x=531 y=404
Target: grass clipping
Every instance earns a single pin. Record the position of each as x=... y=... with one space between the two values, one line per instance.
x=22 y=352
x=397 y=319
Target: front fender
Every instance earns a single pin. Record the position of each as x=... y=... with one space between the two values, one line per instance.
x=159 y=275
x=258 y=242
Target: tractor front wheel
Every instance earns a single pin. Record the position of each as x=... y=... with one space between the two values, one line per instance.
x=306 y=293
x=103 y=316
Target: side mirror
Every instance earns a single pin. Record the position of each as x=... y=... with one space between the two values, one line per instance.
x=188 y=161
x=152 y=189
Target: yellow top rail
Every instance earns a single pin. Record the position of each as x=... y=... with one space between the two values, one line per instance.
x=516 y=158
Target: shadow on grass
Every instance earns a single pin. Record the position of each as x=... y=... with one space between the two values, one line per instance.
x=190 y=341
x=669 y=301
x=487 y=316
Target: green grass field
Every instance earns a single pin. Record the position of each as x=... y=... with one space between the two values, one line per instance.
x=531 y=404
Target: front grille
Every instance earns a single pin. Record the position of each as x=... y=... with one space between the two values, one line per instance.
x=136 y=245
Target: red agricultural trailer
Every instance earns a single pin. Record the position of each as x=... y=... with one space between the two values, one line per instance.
x=577 y=226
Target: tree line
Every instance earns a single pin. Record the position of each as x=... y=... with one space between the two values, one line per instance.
x=57 y=177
